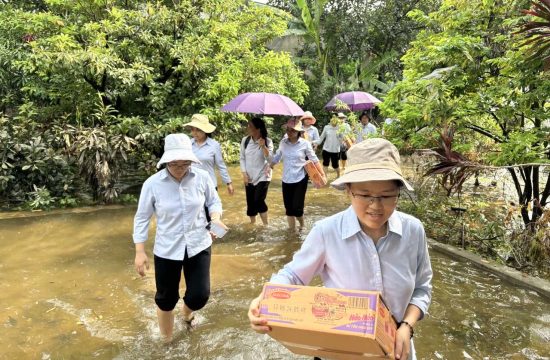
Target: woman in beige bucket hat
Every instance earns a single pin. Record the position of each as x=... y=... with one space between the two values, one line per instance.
x=208 y=150
x=368 y=246
x=311 y=133
x=181 y=240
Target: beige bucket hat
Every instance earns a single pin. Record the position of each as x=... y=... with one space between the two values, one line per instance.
x=295 y=125
x=341 y=116
x=308 y=115
x=201 y=122
x=177 y=147
x=373 y=159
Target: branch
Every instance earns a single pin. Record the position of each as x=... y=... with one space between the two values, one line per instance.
x=485 y=132
x=516 y=182
x=502 y=126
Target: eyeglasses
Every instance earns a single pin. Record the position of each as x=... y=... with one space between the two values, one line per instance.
x=179 y=165
x=385 y=200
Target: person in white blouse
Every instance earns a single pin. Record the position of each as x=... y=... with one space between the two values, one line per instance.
x=177 y=195
x=208 y=150
x=368 y=246
x=311 y=133
x=256 y=153
x=365 y=128
x=331 y=146
x=293 y=151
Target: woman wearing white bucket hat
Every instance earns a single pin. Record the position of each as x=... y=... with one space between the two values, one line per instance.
x=368 y=246
x=177 y=195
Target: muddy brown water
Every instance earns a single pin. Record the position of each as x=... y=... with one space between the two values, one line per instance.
x=69 y=291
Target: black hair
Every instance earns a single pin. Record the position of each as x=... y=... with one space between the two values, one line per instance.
x=260 y=124
x=365 y=113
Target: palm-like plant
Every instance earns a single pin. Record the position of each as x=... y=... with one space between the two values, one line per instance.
x=537 y=31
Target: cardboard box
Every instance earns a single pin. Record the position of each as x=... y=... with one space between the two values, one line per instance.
x=329 y=323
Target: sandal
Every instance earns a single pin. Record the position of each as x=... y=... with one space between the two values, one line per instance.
x=189 y=323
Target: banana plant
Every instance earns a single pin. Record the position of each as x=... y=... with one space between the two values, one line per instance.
x=312 y=23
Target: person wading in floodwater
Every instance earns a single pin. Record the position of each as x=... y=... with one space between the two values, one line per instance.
x=177 y=196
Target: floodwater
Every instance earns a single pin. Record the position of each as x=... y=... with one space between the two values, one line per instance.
x=69 y=291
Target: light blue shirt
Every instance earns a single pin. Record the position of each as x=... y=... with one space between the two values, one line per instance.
x=312 y=134
x=364 y=131
x=179 y=210
x=253 y=161
x=209 y=154
x=331 y=138
x=294 y=159
x=347 y=258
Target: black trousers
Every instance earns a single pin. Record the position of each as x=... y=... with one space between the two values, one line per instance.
x=329 y=157
x=255 y=198
x=196 y=271
x=294 y=195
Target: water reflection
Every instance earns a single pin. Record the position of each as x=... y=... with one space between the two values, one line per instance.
x=69 y=291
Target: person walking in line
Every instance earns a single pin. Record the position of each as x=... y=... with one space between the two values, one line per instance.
x=365 y=128
x=368 y=246
x=208 y=150
x=256 y=153
x=311 y=133
x=331 y=146
x=346 y=136
x=293 y=151
x=176 y=195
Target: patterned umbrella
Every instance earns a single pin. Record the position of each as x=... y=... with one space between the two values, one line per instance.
x=355 y=100
x=263 y=103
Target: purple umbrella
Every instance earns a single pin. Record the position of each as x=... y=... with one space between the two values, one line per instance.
x=355 y=100
x=264 y=103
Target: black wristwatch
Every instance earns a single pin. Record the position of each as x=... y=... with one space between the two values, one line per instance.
x=409 y=325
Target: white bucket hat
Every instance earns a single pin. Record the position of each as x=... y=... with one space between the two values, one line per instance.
x=341 y=116
x=372 y=159
x=201 y=122
x=177 y=147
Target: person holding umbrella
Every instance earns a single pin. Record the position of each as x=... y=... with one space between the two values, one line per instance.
x=208 y=151
x=256 y=151
x=293 y=151
x=368 y=246
x=177 y=195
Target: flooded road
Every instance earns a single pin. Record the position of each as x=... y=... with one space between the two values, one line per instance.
x=69 y=291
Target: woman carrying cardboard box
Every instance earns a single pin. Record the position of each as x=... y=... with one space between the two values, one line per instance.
x=368 y=246
x=293 y=151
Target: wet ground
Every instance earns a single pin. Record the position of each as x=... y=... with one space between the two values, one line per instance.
x=69 y=291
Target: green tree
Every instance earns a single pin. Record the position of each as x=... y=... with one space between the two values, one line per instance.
x=116 y=76
x=467 y=72
x=352 y=44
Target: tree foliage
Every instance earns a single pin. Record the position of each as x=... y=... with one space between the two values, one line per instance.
x=116 y=76
x=351 y=44
x=467 y=72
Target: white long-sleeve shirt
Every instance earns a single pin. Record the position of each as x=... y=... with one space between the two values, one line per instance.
x=398 y=265
x=331 y=138
x=179 y=210
x=254 y=162
x=209 y=154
